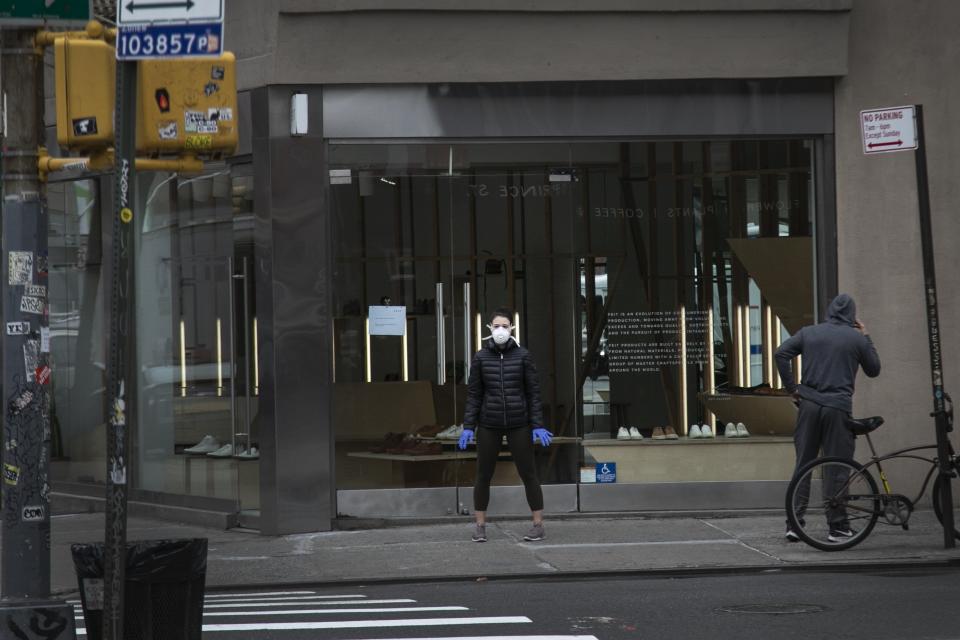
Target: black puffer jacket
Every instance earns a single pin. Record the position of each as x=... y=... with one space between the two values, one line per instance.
x=504 y=389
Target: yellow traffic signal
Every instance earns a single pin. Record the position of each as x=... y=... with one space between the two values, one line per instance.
x=85 y=90
x=187 y=104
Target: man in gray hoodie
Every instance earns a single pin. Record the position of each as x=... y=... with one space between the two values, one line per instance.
x=832 y=351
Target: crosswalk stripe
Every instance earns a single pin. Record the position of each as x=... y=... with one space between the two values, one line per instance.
x=241 y=605
x=291 y=612
x=500 y=638
x=368 y=624
x=270 y=593
x=290 y=598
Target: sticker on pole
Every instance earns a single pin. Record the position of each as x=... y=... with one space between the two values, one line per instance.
x=888 y=130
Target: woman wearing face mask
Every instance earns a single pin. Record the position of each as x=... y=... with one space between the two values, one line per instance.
x=503 y=399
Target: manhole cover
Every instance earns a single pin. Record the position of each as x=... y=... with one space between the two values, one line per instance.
x=773 y=609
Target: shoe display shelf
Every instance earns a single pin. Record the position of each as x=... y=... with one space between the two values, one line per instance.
x=763 y=415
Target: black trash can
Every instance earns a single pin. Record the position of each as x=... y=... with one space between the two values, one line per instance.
x=163 y=595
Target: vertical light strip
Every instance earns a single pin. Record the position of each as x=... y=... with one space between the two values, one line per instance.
x=183 y=359
x=516 y=326
x=778 y=338
x=219 y=361
x=479 y=327
x=366 y=353
x=256 y=361
x=711 y=374
x=683 y=370
x=738 y=346
x=748 y=347
x=768 y=345
x=799 y=369
x=403 y=341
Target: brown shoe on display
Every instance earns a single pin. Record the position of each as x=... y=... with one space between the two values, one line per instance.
x=658 y=434
x=430 y=430
x=669 y=433
x=390 y=441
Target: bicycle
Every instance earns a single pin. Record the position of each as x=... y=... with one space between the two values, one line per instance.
x=849 y=501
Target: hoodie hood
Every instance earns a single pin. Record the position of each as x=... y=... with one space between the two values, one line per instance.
x=843 y=310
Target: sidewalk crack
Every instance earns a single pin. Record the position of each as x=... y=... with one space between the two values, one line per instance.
x=741 y=542
x=518 y=540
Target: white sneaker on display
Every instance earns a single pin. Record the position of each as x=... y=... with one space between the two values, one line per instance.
x=226 y=451
x=208 y=444
x=742 y=431
x=695 y=433
x=730 y=431
x=451 y=433
x=706 y=431
x=635 y=434
x=623 y=434
x=250 y=454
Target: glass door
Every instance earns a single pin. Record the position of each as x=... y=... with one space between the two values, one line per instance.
x=398 y=357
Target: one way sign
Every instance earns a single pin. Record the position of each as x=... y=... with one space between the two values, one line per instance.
x=141 y=12
x=886 y=130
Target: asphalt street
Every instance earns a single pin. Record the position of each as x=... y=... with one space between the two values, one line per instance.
x=875 y=604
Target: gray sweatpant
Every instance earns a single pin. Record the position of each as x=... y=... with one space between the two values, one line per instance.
x=822 y=427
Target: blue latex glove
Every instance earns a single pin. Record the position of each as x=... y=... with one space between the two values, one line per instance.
x=465 y=438
x=542 y=435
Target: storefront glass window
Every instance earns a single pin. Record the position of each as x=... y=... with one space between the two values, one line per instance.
x=652 y=283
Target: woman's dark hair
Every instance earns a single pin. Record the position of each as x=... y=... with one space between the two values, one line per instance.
x=501 y=312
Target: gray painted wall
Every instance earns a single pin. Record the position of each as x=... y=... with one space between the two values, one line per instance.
x=898 y=57
x=327 y=42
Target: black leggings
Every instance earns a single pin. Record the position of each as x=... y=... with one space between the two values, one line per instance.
x=520 y=443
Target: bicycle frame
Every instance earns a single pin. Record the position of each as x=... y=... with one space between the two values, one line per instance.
x=906 y=453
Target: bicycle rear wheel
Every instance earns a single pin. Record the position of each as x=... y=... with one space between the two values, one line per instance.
x=937 y=488
x=832 y=503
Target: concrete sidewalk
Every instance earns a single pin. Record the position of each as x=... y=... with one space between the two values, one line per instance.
x=575 y=545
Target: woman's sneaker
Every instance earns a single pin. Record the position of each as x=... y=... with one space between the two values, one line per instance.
x=480 y=533
x=535 y=533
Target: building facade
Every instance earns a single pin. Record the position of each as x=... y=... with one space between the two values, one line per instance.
x=660 y=191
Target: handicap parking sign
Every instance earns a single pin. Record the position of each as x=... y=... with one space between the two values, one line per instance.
x=606 y=472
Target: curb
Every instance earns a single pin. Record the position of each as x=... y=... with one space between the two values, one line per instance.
x=639 y=574
x=648 y=574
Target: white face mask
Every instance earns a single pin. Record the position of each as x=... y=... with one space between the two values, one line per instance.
x=501 y=335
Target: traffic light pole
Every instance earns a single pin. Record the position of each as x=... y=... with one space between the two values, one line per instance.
x=26 y=609
x=940 y=414
x=121 y=327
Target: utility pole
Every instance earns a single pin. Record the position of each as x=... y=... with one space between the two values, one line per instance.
x=25 y=608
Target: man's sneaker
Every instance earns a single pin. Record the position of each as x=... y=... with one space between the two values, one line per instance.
x=706 y=431
x=695 y=432
x=635 y=434
x=535 y=533
x=669 y=433
x=226 y=451
x=623 y=434
x=658 y=434
x=480 y=533
x=840 y=533
x=206 y=445
x=792 y=536
x=742 y=431
x=730 y=431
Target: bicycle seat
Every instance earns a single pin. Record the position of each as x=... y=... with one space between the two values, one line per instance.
x=863 y=426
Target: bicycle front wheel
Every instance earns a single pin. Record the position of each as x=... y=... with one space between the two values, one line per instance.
x=937 y=489
x=832 y=503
